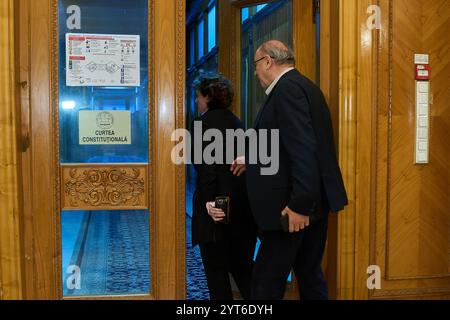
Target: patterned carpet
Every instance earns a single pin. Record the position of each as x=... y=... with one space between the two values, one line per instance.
x=196 y=286
x=112 y=251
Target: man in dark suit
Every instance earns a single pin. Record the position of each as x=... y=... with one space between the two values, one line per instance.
x=307 y=185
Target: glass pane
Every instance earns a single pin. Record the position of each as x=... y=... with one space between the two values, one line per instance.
x=260 y=7
x=192 y=47
x=105 y=253
x=105 y=71
x=274 y=23
x=317 y=24
x=212 y=29
x=201 y=39
x=245 y=14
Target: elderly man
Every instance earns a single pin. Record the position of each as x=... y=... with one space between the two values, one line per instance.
x=306 y=187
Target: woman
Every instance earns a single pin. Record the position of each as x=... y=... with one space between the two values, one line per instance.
x=224 y=248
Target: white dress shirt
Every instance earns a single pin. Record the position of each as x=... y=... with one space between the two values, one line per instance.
x=274 y=83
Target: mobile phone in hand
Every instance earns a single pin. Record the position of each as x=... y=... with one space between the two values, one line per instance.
x=284 y=220
x=223 y=203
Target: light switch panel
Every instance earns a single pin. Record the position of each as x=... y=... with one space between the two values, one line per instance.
x=422 y=122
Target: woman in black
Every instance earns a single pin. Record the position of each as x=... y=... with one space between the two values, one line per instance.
x=225 y=248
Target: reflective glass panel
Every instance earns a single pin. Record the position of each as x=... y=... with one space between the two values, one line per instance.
x=201 y=39
x=274 y=22
x=192 y=47
x=103 y=69
x=245 y=14
x=212 y=29
x=260 y=7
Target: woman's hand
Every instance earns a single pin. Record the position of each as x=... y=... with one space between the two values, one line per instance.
x=216 y=214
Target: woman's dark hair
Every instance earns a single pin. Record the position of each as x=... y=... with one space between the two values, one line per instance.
x=217 y=87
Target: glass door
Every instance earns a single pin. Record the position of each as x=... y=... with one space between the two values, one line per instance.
x=104 y=148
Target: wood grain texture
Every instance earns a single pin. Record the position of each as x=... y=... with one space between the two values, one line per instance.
x=401 y=219
x=418 y=216
x=398 y=215
x=348 y=49
x=304 y=37
x=170 y=214
x=329 y=83
x=230 y=47
x=38 y=67
x=42 y=216
x=366 y=147
x=24 y=48
x=11 y=281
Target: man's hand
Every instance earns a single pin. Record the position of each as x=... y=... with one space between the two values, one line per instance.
x=216 y=214
x=238 y=166
x=297 y=221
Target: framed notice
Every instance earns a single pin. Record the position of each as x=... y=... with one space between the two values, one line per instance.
x=102 y=60
x=104 y=127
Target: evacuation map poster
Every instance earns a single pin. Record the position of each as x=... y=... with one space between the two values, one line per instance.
x=102 y=60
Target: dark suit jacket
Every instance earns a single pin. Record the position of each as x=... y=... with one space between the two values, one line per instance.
x=309 y=180
x=217 y=180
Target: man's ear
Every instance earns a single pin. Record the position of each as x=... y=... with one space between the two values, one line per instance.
x=269 y=64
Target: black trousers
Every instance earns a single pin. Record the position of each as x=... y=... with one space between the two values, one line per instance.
x=230 y=255
x=280 y=252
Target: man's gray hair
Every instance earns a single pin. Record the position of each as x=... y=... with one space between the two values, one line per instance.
x=280 y=52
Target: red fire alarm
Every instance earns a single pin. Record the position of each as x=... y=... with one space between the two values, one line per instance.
x=423 y=72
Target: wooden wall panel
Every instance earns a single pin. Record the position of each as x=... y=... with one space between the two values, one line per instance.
x=23 y=27
x=36 y=203
x=398 y=216
x=419 y=196
x=405 y=240
x=11 y=281
x=436 y=181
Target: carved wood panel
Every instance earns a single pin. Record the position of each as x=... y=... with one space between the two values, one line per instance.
x=104 y=187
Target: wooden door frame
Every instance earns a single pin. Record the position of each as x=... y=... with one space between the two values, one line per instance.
x=230 y=41
x=356 y=143
x=36 y=33
x=11 y=263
